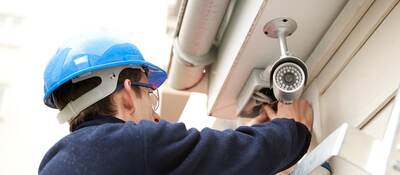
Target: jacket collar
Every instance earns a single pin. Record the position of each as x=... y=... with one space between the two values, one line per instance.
x=99 y=120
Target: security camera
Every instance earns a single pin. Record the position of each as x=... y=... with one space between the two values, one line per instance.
x=283 y=81
x=288 y=76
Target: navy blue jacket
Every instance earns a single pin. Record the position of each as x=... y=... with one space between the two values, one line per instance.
x=110 y=146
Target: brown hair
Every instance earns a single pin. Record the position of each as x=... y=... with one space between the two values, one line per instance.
x=71 y=91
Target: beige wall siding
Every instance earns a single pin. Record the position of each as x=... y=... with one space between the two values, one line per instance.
x=360 y=78
x=368 y=81
x=358 y=84
x=376 y=127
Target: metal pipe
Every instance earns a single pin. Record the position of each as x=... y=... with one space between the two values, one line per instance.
x=192 y=48
x=184 y=76
x=200 y=25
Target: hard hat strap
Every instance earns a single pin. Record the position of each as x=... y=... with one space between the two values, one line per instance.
x=109 y=80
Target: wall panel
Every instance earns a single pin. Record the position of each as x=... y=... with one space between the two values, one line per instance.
x=368 y=81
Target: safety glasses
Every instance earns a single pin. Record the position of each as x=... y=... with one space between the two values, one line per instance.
x=152 y=92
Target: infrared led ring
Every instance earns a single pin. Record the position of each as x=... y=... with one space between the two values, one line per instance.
x=288 y=77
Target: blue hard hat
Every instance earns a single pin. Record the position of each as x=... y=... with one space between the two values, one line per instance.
x=90 y=54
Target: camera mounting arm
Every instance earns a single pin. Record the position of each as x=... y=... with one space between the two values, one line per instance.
x=288 y=75
x=281 y=28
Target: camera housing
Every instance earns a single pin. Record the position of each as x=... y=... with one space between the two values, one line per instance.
x=283 y=81
x=288 y=76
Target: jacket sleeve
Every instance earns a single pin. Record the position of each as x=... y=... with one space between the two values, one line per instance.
x=260 y=149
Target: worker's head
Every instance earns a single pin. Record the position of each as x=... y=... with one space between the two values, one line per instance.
x=101 y=75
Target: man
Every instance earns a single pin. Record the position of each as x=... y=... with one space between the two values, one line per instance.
x=106 y=91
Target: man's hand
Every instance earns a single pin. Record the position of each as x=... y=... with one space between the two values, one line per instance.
x=261 y=118
x=299 y=111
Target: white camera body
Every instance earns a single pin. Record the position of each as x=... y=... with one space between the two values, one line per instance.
x=283 y=81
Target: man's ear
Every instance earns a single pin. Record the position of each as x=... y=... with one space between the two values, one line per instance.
x=127 y=97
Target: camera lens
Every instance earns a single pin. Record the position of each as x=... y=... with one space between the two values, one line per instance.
x=288 y=76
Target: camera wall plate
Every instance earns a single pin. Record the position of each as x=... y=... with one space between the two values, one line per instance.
x=283 y=25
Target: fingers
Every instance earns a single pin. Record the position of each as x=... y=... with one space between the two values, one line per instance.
x=304 y=103
x=300 y=111
x=266 y=114
x=259 y=119
x=269 y=111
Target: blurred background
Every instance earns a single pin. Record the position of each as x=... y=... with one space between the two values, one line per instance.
x=30 y=33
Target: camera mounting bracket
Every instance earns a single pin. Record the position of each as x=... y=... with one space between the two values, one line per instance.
x=281 y=28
